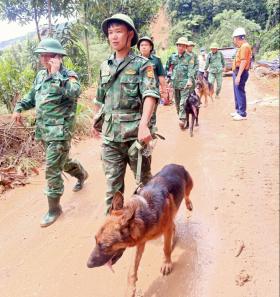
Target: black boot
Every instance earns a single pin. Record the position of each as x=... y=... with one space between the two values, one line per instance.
x=54 y=212
x=80 y=183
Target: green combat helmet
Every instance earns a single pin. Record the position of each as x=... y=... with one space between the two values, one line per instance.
x=50 y=45
x=182 y=40
x=214 y=45
x=122 y=18
x=146 y=38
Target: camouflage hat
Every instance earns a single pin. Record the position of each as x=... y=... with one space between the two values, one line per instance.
x=121 y=18
x=214 y=45
x=182 y=40
x=50 y=45
x=190 y=43
x=146 y=38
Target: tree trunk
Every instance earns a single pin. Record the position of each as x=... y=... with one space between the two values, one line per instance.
x=87 y=43
x=37 y=22
x=50 y=18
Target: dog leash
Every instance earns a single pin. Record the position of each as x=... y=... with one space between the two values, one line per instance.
x=142 y=150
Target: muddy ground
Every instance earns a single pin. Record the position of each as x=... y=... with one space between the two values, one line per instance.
x=236 y=201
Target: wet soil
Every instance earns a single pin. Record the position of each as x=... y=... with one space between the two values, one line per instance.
x=227 y=247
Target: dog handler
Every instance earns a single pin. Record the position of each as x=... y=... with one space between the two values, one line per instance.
x=181 y=80
x=54 y=94
x=128 y=92
x=241 y=66
x=215 y=62
x=146 y=47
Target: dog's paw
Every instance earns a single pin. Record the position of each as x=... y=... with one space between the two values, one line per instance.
x=189 y=205
x=166 y=268
x=130 y=291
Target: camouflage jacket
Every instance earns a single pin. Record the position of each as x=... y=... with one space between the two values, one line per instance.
x=193 y=64
x=215 y=62
x=124 y=95
x=181 y=73
x=170 y=64
x=55 y=100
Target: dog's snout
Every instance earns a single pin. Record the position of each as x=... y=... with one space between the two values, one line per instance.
x=90 y=264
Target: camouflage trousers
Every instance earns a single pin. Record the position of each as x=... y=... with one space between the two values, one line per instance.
x=57 y=160
x=115 y=159
x=180 y=101
x=219 y=78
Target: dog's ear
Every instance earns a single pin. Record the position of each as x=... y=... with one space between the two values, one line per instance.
x=117 y=203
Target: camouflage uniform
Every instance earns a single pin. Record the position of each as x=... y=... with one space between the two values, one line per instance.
x=55 y=99
x=192 y=60
x=170 y=64
x=123 y=103
x=215 y=62
x=182 y=72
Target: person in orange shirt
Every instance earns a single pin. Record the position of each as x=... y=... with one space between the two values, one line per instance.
x=241 y=65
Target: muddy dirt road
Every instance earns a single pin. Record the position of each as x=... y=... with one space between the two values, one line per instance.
x=236 y=199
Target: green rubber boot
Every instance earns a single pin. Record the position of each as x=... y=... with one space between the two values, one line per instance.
x=80 y=183
x=54 y=212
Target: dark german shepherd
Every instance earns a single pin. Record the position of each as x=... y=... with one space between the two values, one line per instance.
x=192 y=108
x=145 y=216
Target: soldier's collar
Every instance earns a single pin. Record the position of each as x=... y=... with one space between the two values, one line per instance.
x=130 y=55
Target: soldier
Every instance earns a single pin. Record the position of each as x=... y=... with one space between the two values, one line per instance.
x=216 y=63
x=170 y=65
x=181 y=79
x=193 y=60
x=128 y=93
x=241 y=66
x=54 y=94
x=201 y=62
x=146 y=47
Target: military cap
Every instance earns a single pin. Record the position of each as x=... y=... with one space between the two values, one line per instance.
x=121 y=18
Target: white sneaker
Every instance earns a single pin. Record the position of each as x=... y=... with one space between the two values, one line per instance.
x=233 y=114
x=239 y=118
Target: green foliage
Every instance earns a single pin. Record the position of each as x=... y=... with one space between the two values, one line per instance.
x=186 y=28
x=223 y=25
x=270 y=55
x=273 y=9
x=24 y=11
x=84 y=116
x=16 y=75
x=269 y=41
x=186 y=9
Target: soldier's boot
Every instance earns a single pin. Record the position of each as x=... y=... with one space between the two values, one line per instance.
x=54 y=212
x=80 y=183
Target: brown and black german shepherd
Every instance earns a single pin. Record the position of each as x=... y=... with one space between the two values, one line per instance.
x=205 y=89
x=145 y=216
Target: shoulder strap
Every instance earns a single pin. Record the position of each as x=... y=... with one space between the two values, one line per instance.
x=115 y=75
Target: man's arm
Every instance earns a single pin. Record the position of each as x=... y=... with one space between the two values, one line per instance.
x=98 y=101
x=240 y=71
x=144 y=134
x=207 y=62
x=26 y=103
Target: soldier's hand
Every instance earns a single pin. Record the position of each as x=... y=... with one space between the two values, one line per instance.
x=55 y=64
x=144 y=134
x=17 y=117
x=95 y=134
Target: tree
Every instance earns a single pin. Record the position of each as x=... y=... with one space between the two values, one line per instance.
x=26 y=11
x=224 y=24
